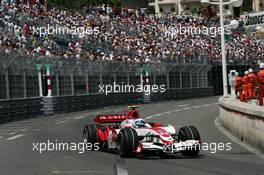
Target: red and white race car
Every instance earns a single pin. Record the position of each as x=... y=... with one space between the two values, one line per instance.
x=128 y=134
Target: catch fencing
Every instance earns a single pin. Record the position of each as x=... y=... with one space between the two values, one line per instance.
x=19 y=75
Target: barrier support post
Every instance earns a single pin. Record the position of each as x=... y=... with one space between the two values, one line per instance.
x=48 y=67
x=39 y=66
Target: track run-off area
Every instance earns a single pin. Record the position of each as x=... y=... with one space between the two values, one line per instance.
x=19 y=157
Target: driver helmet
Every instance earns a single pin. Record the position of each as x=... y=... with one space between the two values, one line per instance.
x=261 y=66
x=139 y=123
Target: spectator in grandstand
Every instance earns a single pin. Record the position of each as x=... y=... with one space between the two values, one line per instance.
x=127 y=35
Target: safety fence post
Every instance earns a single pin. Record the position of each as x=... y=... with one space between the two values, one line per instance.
x=72 y=84
x=48 y=69
x=58 y=83
x=180 y=77
x=143 y=70
x=7 y=84
x=87 y=83
x=168 y=80
x=191 y=80
x=141 y=76
x=48 y=101
x=39 y=66
x=154 y=78
x=128 y=79
x=168 y=74
x=25 y=83
x=101 y=79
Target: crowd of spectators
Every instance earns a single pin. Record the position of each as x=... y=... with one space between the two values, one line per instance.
x=128 y=35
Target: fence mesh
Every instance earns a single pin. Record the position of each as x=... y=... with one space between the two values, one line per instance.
x=19 y=75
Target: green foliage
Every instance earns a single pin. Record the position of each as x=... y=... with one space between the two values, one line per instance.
x=196 y=10
x=151 y=10
x=247 y=6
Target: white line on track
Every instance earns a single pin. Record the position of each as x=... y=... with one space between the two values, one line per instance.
x=12 y=133
x=195 y=107
x=149 y=117
x=15 y=137
x=82 y=172
x=107 y=111
x=205 y=105
x=23 y=129
x=188 y=108
x=61 y=122
x=156 y=115
x=79 y=117
x=177 y=110
x=236 y=140
x=168 y=112
x=183 y=105
x=1 y=137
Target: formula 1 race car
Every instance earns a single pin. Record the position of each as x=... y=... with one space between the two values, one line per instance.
x=127 y=134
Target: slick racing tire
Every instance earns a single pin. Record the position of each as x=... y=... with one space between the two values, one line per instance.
x=127 y=142
x=189 y=133
x=90 y=135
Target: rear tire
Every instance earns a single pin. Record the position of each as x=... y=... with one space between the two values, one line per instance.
x=90 y=135
x=127 y=142
x=189 y=133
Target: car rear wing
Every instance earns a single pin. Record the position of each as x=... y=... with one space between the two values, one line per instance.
x=117 y=118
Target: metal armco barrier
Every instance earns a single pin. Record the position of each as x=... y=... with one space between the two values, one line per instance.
x=33 y=107
x=146 y=98
x=178 y=94
x=20 y=108
x=93 y=101
x=85 y=102
x=48 y=105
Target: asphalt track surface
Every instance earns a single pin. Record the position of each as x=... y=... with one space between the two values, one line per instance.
x=18 y=158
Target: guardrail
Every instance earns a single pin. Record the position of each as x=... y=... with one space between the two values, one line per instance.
x=84 y=102
x=32 y=107
x=93 y=101
x=178 y=94
x=20 y=108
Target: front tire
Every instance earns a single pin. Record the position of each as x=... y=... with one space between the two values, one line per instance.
x=189 y=133
x=127 y=142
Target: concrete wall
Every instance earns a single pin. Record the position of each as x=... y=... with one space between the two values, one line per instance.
x=246 y=121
